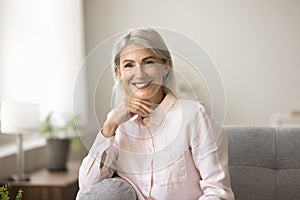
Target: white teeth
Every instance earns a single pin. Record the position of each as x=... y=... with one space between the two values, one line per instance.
x=139 y=85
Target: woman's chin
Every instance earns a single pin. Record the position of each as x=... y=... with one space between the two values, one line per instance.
x=146 y=93
x=142 y=96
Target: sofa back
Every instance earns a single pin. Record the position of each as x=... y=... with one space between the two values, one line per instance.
x=264 y=162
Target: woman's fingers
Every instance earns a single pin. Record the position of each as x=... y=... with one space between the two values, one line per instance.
x=140 y=107
x=121 y=114
x=135 y=109
x=132 y=106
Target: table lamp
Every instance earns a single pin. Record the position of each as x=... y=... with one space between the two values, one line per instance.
x=19 y=119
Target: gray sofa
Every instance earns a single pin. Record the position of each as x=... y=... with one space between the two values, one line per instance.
x=264 y=162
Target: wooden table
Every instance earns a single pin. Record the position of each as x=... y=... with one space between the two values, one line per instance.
x=45 y=185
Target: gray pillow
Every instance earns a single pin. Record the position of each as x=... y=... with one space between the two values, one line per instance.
x=110 y=189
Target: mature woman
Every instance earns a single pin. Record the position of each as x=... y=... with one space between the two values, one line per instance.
x=162 y=146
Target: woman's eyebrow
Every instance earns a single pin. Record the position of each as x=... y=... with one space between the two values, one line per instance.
x=128 y=60
x=148 y=57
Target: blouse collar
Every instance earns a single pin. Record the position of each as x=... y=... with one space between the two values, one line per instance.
x=159 y=113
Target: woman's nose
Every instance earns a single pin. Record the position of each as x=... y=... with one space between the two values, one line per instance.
x=139 y=72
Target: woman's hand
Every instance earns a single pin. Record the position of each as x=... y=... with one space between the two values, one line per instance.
x=130 y=108
x=124 y=112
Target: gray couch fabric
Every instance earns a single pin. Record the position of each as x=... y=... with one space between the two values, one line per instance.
x=264 y=162
x=110 y=189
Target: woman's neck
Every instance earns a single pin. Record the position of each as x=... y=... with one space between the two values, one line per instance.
x=160 y=95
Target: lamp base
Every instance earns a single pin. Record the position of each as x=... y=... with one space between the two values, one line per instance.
x=23 y=177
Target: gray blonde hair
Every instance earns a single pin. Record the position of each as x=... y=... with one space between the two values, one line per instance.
x=152 y=40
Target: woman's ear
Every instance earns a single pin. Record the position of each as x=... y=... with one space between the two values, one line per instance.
x=117 y=72
x=169 y=64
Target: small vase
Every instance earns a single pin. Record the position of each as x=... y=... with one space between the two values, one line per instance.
x=57 y=154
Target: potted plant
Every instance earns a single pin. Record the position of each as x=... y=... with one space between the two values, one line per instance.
x=58 y=141
x=4 y=193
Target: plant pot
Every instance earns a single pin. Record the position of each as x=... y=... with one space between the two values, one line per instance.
x=57 y=154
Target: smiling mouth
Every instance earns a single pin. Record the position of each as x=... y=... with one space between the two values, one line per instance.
x=142 y=84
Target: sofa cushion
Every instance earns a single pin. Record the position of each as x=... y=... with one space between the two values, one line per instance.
x=264 y=162
x=288 y=184
x=288 y=163
x=252 y=162
x=252 y=183
x=110 y=189
x=251 y=146
x=288 y=148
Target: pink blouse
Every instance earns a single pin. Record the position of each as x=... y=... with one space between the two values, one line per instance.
x=176 y=153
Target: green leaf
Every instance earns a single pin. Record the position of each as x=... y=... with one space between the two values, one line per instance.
x=19 y=195
x=4 y=192
x=46 y=127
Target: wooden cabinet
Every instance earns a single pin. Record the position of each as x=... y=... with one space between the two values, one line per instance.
x=45 y=185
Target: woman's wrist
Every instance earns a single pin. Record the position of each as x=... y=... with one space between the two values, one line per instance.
x=109 y=128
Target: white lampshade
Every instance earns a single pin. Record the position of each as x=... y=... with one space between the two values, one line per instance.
x=19 y=118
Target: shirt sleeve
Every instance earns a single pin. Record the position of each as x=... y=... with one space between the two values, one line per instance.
x=98 y=164
x=210 y=154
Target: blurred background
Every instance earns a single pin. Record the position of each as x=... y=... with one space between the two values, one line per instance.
x=44 y=44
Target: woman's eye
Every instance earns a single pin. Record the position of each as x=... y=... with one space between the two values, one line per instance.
x=129 y=65
x=149 y=63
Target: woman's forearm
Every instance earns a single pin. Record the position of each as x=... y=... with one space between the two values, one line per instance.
x=91 y=171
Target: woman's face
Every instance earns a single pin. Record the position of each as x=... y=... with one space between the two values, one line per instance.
x=141 y=73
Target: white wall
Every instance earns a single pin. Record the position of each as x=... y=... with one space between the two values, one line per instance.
x=255 y=45
x=41 y=52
